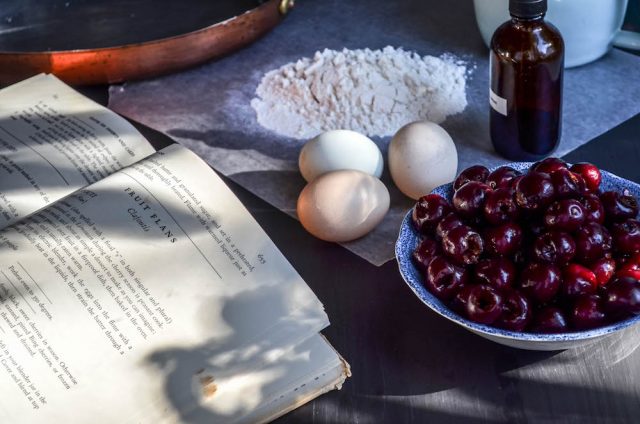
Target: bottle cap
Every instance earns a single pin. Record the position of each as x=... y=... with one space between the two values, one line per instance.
x=527 y=8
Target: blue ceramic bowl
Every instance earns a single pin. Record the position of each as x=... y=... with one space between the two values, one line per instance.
x=408 y=240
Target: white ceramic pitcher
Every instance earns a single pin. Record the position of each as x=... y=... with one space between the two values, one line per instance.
x=589 y=27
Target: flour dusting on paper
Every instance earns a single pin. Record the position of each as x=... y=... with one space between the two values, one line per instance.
x=374 y=92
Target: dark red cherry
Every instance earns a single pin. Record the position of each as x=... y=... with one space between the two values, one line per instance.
x=626 y=236
x=477 y=173
x=498 y=272
x=463 y=245
x=628 y=273
x=587 y=312
x=428 y=211
x=590 y=173
x=514 y=182
x=460 y=300
x=629 y=269
x=447 y=224
x=593 y=241
x=618 y=207
x=500 y=206
x=540 y=281
x=592 y=207
x=631 y=260
x=443 y=279
x=549 y=166
x=484 y=304
x=502 y=177
x=534 y=191
x=516 y=311
x=469 y=199
x=427 y=249
x=503 y=240
x=622 y=297
x=549 y=319
x=565 y=215
x=556 y=247
x=578 y=280
x=567 y=184
x=604 y=269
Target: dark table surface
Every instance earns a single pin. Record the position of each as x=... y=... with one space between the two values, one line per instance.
x=412 y=366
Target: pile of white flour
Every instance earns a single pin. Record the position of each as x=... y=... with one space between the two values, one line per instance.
x=374 y=92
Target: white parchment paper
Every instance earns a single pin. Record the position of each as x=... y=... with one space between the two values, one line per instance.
x=208 y=108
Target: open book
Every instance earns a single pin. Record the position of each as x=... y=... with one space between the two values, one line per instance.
x=134 y=286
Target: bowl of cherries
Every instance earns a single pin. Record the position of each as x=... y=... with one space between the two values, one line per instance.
x=539 y=256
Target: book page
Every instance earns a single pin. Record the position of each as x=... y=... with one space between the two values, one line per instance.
x=53 y=141
x=118 y=300
x=281 y=385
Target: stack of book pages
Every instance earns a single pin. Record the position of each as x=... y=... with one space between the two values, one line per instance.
x=134 y=286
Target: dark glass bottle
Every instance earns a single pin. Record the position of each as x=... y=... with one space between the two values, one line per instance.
x=527 y=63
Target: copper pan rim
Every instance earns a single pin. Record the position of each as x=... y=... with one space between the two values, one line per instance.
x=145 y=59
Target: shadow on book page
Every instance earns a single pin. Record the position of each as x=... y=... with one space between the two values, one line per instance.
x=266 y=384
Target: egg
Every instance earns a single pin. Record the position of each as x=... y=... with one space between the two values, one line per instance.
x=339 y=149
x=342 y=205
x=422 y=156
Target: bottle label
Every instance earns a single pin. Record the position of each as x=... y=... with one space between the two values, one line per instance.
x=498 y=103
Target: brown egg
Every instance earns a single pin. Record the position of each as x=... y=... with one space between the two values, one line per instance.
x=342 y=205
x=422 y=156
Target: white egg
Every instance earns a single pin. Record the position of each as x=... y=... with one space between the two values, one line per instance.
x=342 y=205
x=339 y=149
x=422 y=156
